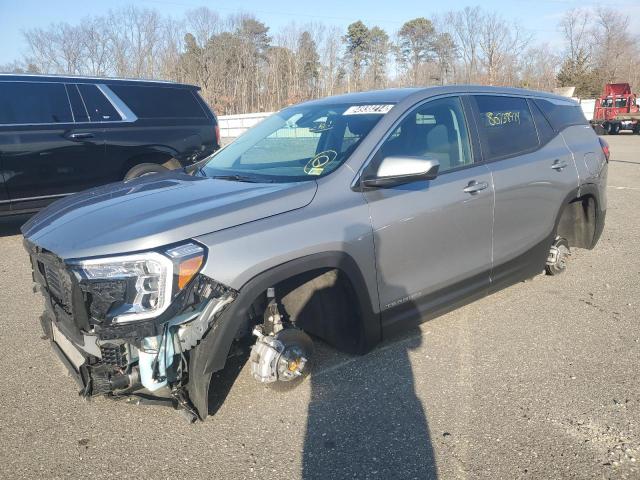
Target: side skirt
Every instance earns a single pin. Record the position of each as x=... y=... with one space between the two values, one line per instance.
x=421 y=309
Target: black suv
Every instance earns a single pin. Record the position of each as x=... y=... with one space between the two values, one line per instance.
x=60 y=135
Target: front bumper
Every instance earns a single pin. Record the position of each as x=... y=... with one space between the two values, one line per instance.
x=147 y=358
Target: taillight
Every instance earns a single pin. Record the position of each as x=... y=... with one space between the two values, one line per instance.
x=605 y=148
x=217 y=128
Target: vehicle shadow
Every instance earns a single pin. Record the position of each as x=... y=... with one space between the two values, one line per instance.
x=11 y=225
x=364 y=418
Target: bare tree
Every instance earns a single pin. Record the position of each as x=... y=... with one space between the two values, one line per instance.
x=203 y=23
x=500 y=46
x=613 y=43
x=94 y=40
x=575 y=28
x=57 y=49
x=466 y=30
x=538 y=68
x=445 y=52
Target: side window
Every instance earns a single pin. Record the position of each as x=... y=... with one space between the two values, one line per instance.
x=159 y=102
x=545 y=132
x=79 y=110
x=563 y=114
x=434 y=130
x=98 y=106
x=34 y=103
x=506 y=125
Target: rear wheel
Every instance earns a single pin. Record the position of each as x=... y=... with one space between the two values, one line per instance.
x=144 y=169
x=558 y=256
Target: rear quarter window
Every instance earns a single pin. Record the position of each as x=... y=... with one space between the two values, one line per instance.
x=545 y=132
x=97 y=105
x=506 y=126
x=159 y=102
x=34 y=103
x=561 y=114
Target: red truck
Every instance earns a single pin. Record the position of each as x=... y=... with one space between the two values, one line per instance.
x=617 y=109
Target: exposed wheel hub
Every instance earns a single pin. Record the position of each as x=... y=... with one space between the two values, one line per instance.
x=280 y=357
x=558 y=255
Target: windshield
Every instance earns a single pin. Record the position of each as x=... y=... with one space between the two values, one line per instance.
x=298 y=143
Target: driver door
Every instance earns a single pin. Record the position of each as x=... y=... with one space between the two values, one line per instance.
x=432 y=237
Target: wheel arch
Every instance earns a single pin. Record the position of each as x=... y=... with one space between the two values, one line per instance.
x=211 y=354
x=580 y=220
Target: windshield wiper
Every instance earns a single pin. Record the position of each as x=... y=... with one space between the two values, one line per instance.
x=237 y=178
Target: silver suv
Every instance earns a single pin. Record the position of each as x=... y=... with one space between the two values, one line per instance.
x=341 y=219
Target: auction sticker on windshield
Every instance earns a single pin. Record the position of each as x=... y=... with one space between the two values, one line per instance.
x=368 y=109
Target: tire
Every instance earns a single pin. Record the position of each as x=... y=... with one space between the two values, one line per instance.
x=144 y=169
x=561 y=253
x=612 y=128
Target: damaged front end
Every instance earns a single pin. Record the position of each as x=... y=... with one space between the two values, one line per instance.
x=126 y=326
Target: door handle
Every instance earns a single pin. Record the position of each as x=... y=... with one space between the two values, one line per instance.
x=559 y=165
x=474 y=187
x=80 y=136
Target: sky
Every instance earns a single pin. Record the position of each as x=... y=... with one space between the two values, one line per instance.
x=538 y=17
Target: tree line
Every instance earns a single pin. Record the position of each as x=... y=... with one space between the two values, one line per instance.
x=242 y=66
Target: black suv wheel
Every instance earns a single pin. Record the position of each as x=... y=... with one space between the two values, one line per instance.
x=144 y=169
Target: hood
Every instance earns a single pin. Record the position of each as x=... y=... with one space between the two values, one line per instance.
x=157 y=210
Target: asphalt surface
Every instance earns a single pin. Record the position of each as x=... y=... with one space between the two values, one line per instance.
x=540 y=380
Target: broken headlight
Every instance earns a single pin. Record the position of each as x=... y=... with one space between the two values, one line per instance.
x=137 y=286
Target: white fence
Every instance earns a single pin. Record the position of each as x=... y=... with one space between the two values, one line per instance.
x=232 y=126
x=588 y=105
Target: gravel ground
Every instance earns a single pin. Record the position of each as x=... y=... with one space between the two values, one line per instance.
x=537 y=381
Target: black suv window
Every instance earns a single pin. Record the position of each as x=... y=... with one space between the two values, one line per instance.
x=79 y=110
x=159 y=102
x=506 y=126
x=98 y=106
x=561 y=115
x=33 y=103
x=435 y=130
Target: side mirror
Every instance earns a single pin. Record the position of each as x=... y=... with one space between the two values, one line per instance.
x=394 y=171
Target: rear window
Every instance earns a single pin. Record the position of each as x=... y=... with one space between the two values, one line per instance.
x=560 y=114
x=159 y=102
x=34 y=103
x=506 y=125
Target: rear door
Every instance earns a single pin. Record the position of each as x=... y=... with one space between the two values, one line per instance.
x=42 y=156
x=432 y=238
x=533 y=172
